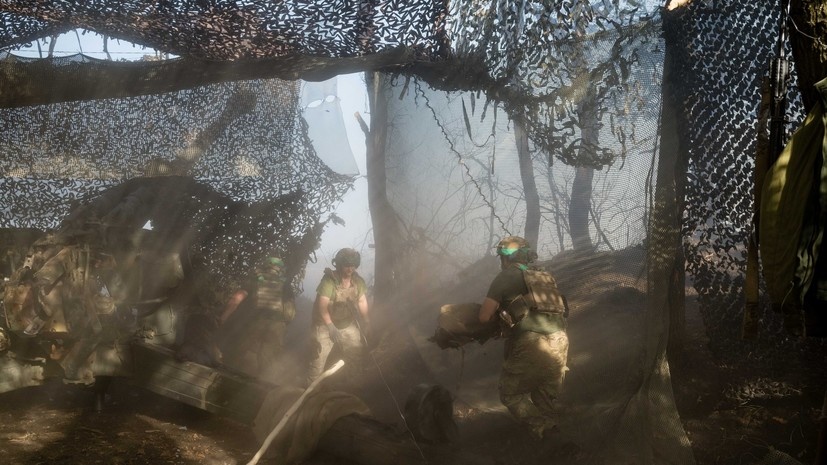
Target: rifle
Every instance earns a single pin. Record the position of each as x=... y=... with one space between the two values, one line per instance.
x=767 y=152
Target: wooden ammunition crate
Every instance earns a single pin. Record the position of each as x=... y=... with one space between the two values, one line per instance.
x=225 y=393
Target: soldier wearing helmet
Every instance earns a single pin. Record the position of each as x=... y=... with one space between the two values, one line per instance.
x=268 y=296
x=533 y=313
x=341 y=301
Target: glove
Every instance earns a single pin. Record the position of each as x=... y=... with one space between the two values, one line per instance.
x=335 y=335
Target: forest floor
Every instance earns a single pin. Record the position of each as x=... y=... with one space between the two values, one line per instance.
x=57 y=424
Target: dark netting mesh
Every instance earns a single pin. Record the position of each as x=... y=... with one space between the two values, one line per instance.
x=501 y=113
x=721 y=103
x=244 y=29
x=260 y=187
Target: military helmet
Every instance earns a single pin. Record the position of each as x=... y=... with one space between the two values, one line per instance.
x=347 y=257
x=516 y=249
x=273 y=262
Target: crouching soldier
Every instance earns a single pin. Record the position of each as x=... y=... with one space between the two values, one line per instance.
x=534 y=315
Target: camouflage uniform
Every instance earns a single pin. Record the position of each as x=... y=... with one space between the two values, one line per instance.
x=343 y=309
x=70 y=284
x=535 y=352
x=275 y=309
x=253 y=337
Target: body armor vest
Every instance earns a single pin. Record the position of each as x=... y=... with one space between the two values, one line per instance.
x=344 y=306
x=269 y=287
x=542 y=297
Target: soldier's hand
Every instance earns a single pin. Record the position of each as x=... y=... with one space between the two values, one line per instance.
x=335 y=335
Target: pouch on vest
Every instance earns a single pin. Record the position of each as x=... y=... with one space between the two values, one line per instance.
x=341 y=314
x=268 y=296
x=543 y=295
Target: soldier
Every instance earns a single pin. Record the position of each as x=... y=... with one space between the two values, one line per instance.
x=534 y=314
x=340 y=300
x=270 y=297
x=73 y=286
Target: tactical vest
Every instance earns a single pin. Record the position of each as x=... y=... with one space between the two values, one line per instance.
x=270 y=295
x=268 y=291
x=542 y=297
x=344 y=305
x=83 y=294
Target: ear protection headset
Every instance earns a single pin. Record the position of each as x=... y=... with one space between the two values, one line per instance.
x=516 y=249
x=347 y=257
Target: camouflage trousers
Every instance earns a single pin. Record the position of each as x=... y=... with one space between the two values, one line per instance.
x=257 y=350
x=532 y=377
x=268 y=337
x=352 y=350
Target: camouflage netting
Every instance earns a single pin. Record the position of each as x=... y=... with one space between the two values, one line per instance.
x=261 y=188
x=456 y=182
x=721 y=107
x=583 y=82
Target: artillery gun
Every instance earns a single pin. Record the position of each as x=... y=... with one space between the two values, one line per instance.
x=106 y=295
x=127 y=284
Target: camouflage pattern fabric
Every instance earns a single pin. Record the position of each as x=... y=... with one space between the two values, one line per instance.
x=269 y=291
x=532 y=377
x=268 y=340
x=343 y=301
x=351 y=348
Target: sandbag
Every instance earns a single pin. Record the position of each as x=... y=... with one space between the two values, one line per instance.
x=459 y=324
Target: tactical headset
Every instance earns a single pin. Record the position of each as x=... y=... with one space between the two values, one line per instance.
x=523 y=253
x=347 y=257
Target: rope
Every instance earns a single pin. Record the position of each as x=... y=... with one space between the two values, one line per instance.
x=461 y=161
x=390 y=393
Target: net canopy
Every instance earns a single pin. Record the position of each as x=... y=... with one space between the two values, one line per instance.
x=263 y=187
x=546 y=120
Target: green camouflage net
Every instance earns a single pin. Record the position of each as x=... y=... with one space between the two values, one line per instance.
x=465 y=81
x=245 y=143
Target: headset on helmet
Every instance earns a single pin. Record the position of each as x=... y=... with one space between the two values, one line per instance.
x=347 y=257
x=516 y=249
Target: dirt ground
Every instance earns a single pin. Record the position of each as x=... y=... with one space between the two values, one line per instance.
x=57 y=424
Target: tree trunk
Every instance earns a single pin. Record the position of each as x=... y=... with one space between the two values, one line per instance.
x=673 y=156
x=532 y=198
x=581 y=198
x=664 y=279
x=385 y=226
x=581 y=187
x=556 y=206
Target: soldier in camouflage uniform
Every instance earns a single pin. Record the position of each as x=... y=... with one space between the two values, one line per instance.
x=270 y=296
x=73 y=286
x=533 y=313
x=340 y=300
